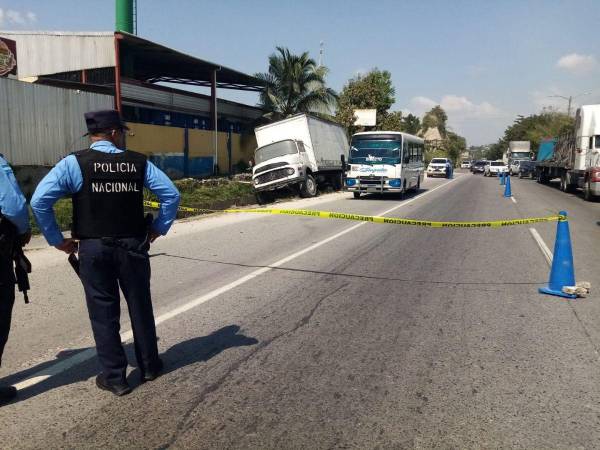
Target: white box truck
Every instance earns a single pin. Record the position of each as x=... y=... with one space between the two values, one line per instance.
x=574 y=157
x=517 y=151
x=301 y=152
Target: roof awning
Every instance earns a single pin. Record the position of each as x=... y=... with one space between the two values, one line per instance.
x=150 y=62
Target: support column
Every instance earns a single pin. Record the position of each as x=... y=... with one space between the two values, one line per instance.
x=213 y=118
x=118 y=103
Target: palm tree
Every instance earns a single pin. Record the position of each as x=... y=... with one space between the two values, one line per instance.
x=295 y=84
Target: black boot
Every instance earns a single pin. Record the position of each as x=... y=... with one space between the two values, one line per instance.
x=118 y=389
x=153 y=373
x=7 y=393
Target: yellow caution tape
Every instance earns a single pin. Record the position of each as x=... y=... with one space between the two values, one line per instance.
x=375 y=219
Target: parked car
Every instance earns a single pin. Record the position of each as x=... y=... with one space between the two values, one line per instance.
x=513 y=168
x=437 y=167
x=478 y=167
x=493 y=168
x=527 y=169
x=465 y=165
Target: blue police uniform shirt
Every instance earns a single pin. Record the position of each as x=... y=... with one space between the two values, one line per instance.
x=66 y=179
x=12 y=201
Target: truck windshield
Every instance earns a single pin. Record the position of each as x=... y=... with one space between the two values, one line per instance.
x=496 y=163
x=519 y=155
x=274 y=150
x=438 y=161
x=375 y=151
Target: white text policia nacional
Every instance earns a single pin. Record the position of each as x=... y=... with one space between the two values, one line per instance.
x=114 y=186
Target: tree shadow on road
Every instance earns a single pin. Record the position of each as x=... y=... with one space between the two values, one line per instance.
x=198 y=349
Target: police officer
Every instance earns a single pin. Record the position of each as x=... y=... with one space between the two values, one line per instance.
x=14 y=230
x=449 y=169
x=106 y=184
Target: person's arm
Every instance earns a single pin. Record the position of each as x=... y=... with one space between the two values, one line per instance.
x=12 y=201
x=64 y=179
x=160 y=185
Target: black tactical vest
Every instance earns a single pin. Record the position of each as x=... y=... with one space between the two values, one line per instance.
x=110 y=202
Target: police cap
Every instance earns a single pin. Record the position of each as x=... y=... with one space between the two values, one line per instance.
x=102 y=120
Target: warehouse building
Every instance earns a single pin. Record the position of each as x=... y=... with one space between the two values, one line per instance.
x=186 y=133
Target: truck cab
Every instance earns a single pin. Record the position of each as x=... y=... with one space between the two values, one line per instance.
x=279 y=164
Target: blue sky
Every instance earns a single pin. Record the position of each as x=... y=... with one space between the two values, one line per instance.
x=484 y=61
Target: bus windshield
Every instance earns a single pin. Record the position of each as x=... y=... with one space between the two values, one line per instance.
x=369 y=151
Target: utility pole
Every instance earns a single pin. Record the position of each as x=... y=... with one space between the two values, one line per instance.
x=321 y=45
x=570 y=99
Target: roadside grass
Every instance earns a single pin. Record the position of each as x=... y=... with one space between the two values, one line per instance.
x=205 y=194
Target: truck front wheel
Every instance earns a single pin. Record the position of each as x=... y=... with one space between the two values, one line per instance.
x=587 y=192
x=263 y=198
x=356 y=194
x=308 y=188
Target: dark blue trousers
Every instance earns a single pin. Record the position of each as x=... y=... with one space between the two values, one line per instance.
x=7 y=300
x=105 y=266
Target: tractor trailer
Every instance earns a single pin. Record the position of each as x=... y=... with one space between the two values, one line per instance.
x=574 y=157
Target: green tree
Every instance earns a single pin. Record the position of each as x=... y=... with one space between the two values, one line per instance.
x=411 y=124
x=435 y=118
x=534 y=128
x=371 y=91
x=454 y=146
x=295 y=84
x=391 y=121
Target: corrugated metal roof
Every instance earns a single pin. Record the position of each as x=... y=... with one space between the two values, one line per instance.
x=39 y=124
x=52 y=52
x=45 y=53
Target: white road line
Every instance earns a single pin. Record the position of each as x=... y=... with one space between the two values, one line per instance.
x=543 y=247
x=67 y=363
x=514 y=200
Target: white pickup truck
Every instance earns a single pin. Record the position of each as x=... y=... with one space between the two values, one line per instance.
x=493 y=168
x=437 y=167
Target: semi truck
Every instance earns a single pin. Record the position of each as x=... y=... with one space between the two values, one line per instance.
x=301 y=152
x=574 y=156
x=517 y=151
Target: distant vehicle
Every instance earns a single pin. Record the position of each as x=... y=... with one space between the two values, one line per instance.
x=574 y=157
x=478 y=167
x=493 y=168
x=437 y=167
x=514 y=167
x=466 y=164
x=384 y=161
x=517 y=150
x=302 y=152
x=527 y=169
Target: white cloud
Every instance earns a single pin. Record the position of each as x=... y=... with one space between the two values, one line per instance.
x=14 y=17
x=456 y=105
x=480 y=122
x=578 y=64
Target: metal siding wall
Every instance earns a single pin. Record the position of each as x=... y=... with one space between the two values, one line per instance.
x=41 y=53
x=187 y=102
x=39 y=125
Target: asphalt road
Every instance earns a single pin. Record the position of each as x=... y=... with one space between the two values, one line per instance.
x=294 y=332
